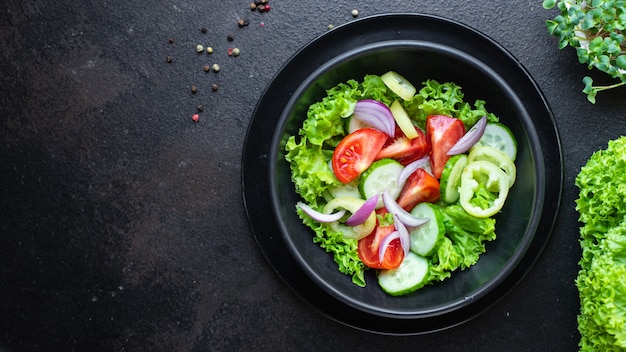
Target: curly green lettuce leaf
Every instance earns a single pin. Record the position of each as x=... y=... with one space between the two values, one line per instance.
x=464 y=242
x=602 y=183
x=601 y=281
x=602 y=291
x=344 y=250
x=436 y=98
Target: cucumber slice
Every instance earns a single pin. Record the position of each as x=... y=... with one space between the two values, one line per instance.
x=426 y=239
x=399 y=85
x=499 y=136
x=403 y=120
x=380 y=176
x=451 y=178
x=410 y=276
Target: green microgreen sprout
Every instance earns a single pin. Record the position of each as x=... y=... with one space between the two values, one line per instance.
x=594 y=28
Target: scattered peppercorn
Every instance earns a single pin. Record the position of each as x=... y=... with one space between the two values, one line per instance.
x=264 y=2
x=240 y=22
x=171 y=40
x=207 y=68
x=168 y=59
x=195 y=117
x=216 y=68
x=194 y=89
x=331 y=26
x=200 y=108
x=230 y=52
x=355 y=13
x=214 y=87
x=199 y=48
x=236 y=52
x=252 y=6
x=261 y=8
x=230 y=37
x=257 y=2
x=209 y=50
x=203 y=30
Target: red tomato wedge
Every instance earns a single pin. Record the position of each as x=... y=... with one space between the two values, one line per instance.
x=442 y=132
x=356 y=152
x=403 y=149
x=368 y=247
x=419 y=187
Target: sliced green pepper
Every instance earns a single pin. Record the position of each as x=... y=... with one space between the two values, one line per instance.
x=484 y=188
x=496 y=157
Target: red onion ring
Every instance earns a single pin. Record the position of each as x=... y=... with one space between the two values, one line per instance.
x=411 y=168
x=470 y=138
x=321 y=217
x=407 y=218
x=375 y=114
x=385 y=243
x=364 y=212
x=405 y=238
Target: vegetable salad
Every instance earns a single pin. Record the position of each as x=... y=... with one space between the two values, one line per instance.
x=400 y=180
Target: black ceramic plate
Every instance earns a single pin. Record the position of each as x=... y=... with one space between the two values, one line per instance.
x=269 y=197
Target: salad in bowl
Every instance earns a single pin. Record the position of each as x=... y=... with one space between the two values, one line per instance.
x=400 y=180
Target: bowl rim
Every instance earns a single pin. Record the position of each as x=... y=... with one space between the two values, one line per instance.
x=277 y=156
x=535 y=247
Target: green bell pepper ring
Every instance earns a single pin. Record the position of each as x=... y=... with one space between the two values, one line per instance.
x=484 y=188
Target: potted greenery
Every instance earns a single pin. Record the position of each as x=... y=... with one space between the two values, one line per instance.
x=594 y=28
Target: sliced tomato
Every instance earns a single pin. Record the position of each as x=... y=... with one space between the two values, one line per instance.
x=404 y=149
x=369 y=246
x=356 y=152
x=419 y=187
x=442 y=133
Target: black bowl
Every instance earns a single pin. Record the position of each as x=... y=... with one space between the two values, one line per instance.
x=419 y=47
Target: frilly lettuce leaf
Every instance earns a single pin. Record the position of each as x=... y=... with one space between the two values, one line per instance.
x=445 y=99
x=601 y=281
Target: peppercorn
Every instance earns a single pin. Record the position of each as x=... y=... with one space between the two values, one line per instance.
x=207 y=68
x=264 y=2
x=194 y=89
x=199 y=48
x=246 y=23
x=203 y=30
x=267 y=7
x=214 y=87
x=261 y=8
x=171 y=40
x=355 y=13
x=236 y=52
x=241 y=23
x=216 y=68
x=195 y=117
x=252 y=6
x=168 y=59
x=200 y=108
x=257 y=2
x=209 y=50
x=230 y=37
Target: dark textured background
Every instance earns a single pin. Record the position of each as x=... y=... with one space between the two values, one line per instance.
x=122 y=225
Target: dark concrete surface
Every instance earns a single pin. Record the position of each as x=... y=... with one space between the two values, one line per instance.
x=122 y=226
